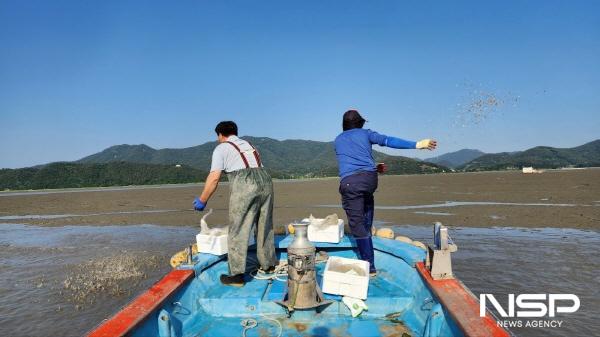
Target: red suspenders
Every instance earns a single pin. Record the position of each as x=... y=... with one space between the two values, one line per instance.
x=256 y=155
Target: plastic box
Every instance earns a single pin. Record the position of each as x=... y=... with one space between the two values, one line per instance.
x=216 y=245
x=332 y=234
x=346 y=277
x=210 y=244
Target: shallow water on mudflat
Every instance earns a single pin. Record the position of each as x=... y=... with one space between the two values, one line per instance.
x=63 y=281
x=502 y=261
x=445 y=204
x=61 y=216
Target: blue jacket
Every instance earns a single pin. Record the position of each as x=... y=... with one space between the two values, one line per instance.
x=354 y=153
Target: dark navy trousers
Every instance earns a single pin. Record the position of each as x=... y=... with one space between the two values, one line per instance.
x=358 y=202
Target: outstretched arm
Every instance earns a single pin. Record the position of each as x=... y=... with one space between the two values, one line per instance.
x=399 y=143
x=393 y=142
x=212 y=181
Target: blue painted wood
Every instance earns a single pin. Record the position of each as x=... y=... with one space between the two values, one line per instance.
x=407 y=252
x=201 y=261
x=207 y=308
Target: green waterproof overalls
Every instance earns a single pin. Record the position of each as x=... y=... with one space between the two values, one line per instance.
x=250 y=202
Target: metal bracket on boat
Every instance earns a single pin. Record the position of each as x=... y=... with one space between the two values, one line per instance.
x=438 y=259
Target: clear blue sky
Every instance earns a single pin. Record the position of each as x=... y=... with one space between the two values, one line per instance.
x=79 y=76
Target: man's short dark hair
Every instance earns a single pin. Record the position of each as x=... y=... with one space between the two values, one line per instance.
x=226 y=128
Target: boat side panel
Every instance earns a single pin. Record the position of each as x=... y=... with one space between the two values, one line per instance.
x=420 y=302
x=405 y=251
x=462 y=306
x=141 y=307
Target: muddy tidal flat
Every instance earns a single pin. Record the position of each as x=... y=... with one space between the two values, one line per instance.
x=71 y=258
x=560 y=199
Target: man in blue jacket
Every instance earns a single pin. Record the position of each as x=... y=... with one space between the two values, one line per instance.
x=358 y=173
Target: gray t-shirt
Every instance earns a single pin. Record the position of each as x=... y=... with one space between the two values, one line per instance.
x=227 y=158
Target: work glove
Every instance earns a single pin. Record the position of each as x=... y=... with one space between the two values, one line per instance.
x=199 y=205
x=428 y=144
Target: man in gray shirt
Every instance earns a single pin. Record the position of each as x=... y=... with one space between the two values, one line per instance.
x=250 y=201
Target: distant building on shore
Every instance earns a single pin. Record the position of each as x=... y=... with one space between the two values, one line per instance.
x=530 y=169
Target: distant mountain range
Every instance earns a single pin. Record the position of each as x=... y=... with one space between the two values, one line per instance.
x=67 y=175
x=456 y=159
x=306 y=158
x=586 y=155
x=284 y=158
x=141 y=164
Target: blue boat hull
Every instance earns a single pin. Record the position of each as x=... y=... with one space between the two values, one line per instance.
x=400 y=302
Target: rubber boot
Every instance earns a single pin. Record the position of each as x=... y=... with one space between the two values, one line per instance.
x=233 y=280
x=366 y=252
x=372 y=269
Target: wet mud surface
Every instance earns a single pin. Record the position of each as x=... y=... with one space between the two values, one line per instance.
x=113 y=275
x=564 y=199
x=63 y=281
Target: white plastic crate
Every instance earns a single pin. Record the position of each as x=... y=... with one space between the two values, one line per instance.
x=346 y=277
x=332 y=234
x=216 y=245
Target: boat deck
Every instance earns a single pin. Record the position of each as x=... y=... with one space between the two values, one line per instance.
x=392 y=296
x=400 y=302
x=287 y=327
x=228 y=306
